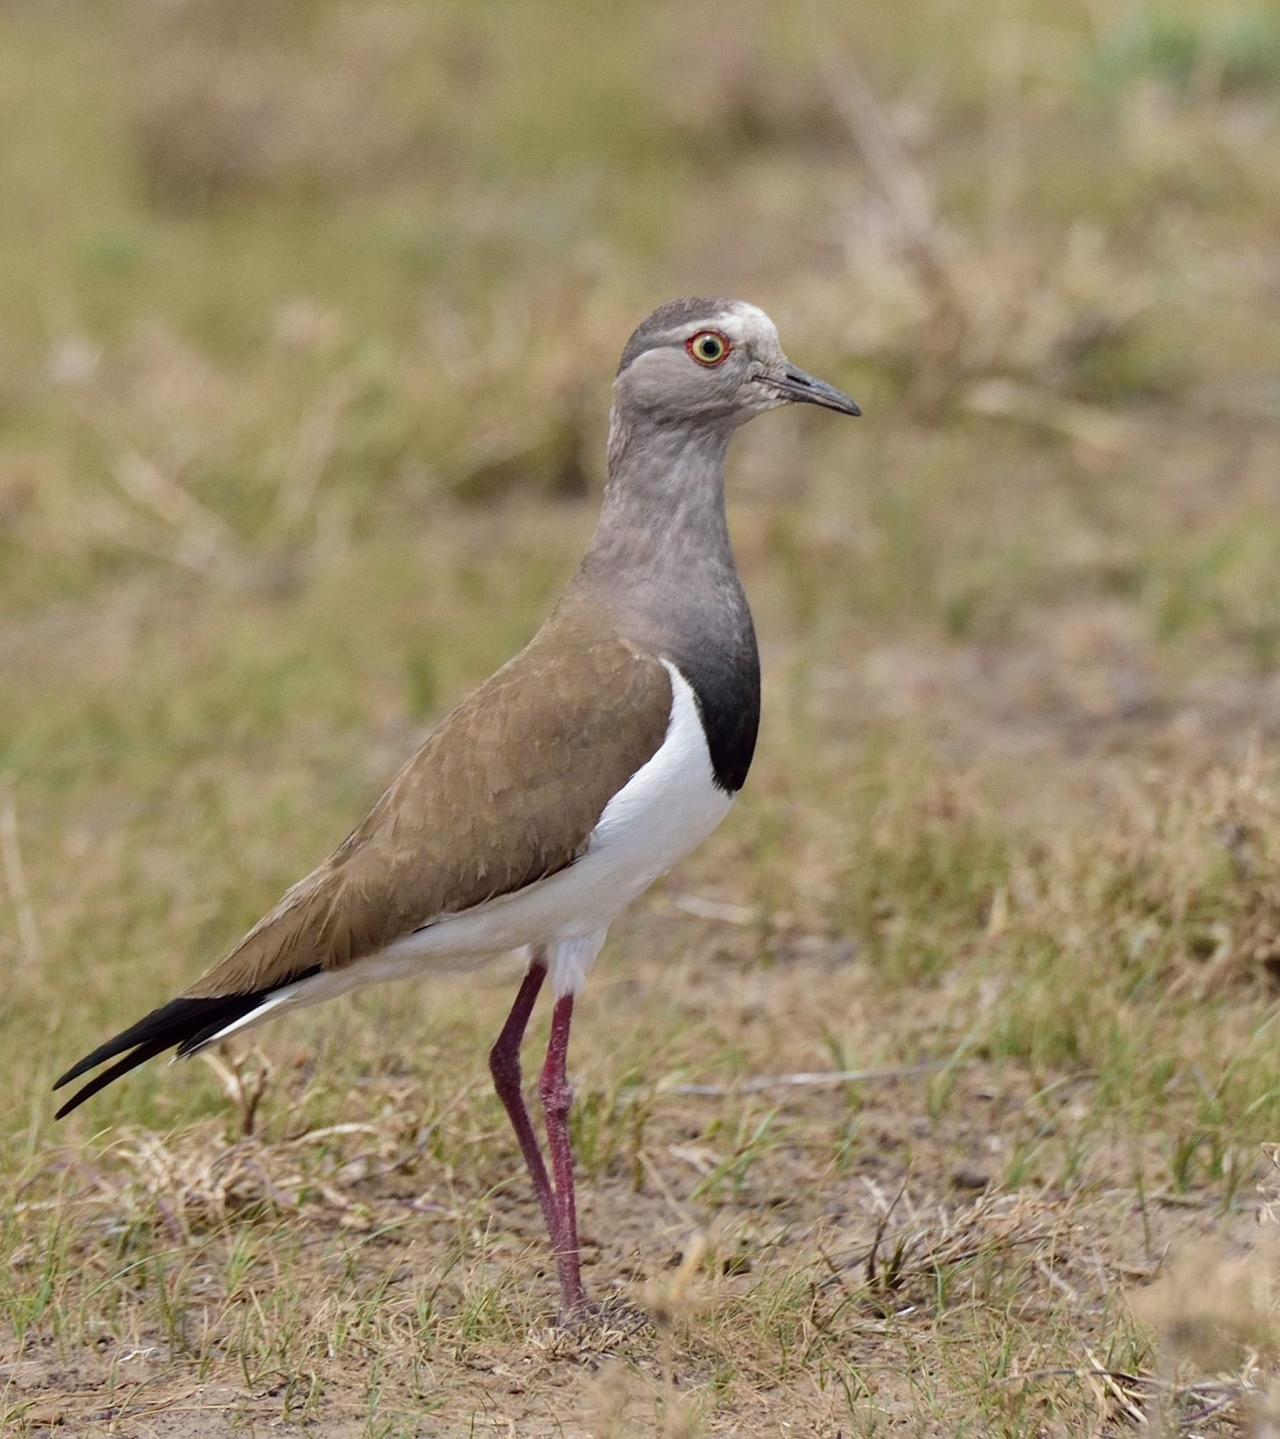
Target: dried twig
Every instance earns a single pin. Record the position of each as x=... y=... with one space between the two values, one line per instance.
x=1112 y=1382
x=317 y=440
x=203 y=540
x=664 y=1189
x=407 y=1160
x=15 y=878
x=1214 y=1395
x=244 y=1085
x=899 y=177
x=908 y=193
x=819 y=1079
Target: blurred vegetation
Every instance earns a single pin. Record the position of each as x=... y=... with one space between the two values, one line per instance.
x=309 y=318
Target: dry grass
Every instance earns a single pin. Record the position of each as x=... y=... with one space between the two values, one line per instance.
x=309 y=319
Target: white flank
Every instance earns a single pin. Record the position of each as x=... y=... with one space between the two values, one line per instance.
x=667 y=808
x=571 y=961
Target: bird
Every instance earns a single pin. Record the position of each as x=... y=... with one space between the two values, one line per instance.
x=541 y=806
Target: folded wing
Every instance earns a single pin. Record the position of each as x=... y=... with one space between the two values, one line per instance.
x=505 y=792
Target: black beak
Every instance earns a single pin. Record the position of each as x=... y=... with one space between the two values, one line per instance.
x=805 y=390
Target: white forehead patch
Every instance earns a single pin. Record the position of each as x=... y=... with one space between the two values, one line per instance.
x=747 y=325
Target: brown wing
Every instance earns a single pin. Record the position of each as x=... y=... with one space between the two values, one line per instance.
x=506 y=791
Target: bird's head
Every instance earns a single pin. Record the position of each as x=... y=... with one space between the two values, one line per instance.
x=719 y=361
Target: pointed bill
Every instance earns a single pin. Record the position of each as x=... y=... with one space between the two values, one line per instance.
x=806 y=389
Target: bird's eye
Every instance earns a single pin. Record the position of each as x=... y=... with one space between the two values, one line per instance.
x=708 y=347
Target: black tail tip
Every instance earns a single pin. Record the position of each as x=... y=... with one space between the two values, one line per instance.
x=187 y=1023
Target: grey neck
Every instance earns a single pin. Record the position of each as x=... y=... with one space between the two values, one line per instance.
x=661 y=567
x=660 y=562
x=663 y=512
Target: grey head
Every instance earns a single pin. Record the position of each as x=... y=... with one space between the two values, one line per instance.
x=660 y=568
x=715 y=361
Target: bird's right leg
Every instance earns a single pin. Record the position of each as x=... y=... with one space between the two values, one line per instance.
x=504 y=1065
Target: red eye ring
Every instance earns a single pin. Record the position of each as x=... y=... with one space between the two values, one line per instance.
x=708 y=348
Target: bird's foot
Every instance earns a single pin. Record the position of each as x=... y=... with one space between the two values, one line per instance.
x=611 y=1318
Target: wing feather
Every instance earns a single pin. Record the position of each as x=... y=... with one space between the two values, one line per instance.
x=505 y=792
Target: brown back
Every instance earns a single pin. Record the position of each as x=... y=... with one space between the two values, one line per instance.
x=505 y=792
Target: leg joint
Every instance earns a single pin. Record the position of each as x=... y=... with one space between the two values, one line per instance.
x=504 y=1066
x=556 y=1093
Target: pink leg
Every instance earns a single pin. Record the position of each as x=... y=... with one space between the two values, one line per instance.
x=504 y=1065
x=557 y=1099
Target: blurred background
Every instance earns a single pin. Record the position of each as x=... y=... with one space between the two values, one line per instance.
x=308 y=317
x=307 y=306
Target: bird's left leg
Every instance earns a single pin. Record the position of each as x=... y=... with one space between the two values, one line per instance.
x=557 y=1099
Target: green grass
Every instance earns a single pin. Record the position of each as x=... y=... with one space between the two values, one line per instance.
x=309 y=316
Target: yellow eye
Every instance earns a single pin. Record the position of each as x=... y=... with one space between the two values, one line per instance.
x=708 y=347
